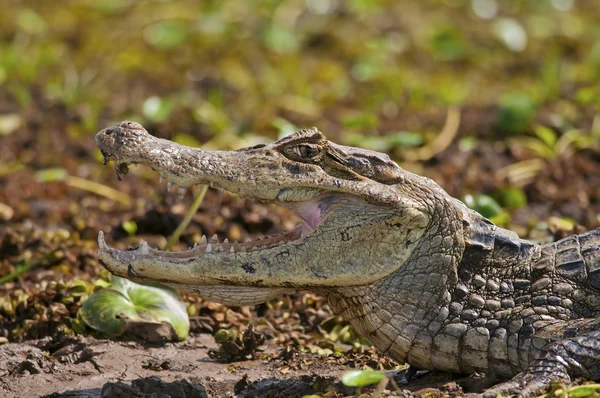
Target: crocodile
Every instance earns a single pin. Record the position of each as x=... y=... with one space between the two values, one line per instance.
x=425 y=279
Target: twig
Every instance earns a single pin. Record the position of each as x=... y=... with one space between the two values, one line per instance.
x=188 y=217
x=99 y=189
x=442 y=141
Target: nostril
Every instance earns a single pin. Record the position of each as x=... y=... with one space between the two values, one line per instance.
x=107 y=132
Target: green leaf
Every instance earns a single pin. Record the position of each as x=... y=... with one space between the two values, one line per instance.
x=448 y=44
x=361 y=121
x=48 y=175
x=372 y=142
x=31 y=22
x=362 y=378
x=405 y=139
x=584 y=391
x=130 y=227
x=157 y=109
x=150 y=311
x=515 y=113
x=166 y=34
x=548 y=136
x=223 y=335
x=483 y=204
x=284 y=126
x=511 y=198
x=280 y=39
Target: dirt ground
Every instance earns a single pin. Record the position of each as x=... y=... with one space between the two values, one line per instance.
x=80 y=367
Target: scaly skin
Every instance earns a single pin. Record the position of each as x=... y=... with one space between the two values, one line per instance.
x=425 y=279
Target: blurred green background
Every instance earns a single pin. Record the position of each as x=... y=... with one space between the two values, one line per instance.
x=518 y=81
x=355 y=67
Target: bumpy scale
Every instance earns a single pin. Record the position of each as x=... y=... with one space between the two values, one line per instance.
x=425 y=279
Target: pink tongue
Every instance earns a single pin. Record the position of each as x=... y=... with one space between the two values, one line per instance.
x=309 y=211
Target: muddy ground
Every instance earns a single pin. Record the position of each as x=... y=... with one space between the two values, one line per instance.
x=82 y=367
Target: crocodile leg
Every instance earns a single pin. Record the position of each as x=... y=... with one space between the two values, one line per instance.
x=559 y=361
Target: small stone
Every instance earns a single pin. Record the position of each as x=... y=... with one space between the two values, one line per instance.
x=460 y=291
x=562 y=289
x=554 y=300
x=492 y=324
x=593 y=301
x=478 y=281
x=469 y=315
x=540 y=284
x=492 y=305
x=476 y=301
x=505 y=288
x=456 y=308
x=515 y=326
x=527 y=312
x=541 y=310
x=492 y=286
x=521 y=284
x=455 y=329
x=507 y=303
x=522 y=299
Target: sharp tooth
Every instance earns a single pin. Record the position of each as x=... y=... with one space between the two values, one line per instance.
x=160 y=179
x=226 y=241
x=101 y=243
x=195 y=245
x=133 y=257
x=242 y=249
x=218 y=248
x=144 y=249
x=221 y=189
x=208 y=248
x=203 y=240
x=214 y=239
x=231 y=250
x=169 y=185
x=181 y=192
x=117 y=256
x=210 y=184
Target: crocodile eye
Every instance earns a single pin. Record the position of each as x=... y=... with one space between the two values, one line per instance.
x=306 y=151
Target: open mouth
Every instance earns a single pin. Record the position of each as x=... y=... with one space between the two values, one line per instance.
x=306 y=204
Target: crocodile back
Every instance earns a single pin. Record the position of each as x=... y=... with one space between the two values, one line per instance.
x=570 y=268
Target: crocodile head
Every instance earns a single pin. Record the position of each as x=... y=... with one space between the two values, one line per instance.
x=357 y=223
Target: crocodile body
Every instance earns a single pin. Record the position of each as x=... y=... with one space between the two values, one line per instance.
x=425 y=279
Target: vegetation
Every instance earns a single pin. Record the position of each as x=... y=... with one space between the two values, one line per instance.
x=497 y=101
